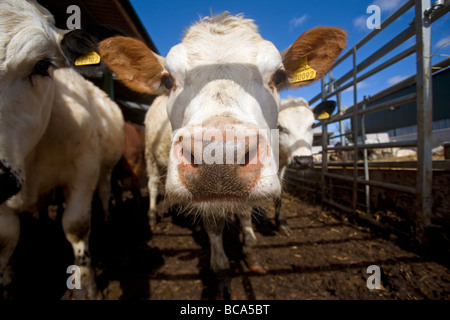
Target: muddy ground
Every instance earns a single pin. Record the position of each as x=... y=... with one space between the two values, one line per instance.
x=325 y=258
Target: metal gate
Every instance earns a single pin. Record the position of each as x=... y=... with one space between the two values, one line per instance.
x=355 y=175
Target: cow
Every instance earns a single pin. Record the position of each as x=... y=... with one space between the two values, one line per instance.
x=130 y=169
x=56 y=130
x=223 y=82
x=158 y=138
x=295 y=122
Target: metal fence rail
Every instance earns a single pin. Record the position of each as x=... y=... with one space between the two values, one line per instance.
x=421 y=29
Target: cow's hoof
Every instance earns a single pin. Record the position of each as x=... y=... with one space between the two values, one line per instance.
x=257 y=268
x=152 y=220
x=82 y=288
x=222 y=287
x=252 y=260
x=81 y=294
x=285 y=230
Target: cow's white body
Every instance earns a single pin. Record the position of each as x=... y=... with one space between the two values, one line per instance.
x=158 y=138
x=56 y=129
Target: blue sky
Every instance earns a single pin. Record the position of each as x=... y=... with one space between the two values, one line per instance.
x=283 y=21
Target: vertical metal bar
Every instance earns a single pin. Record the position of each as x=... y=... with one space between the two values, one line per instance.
x=341 y=122
x=424 y=119
x=324 y=160
x=324 y=149
x=334 y=87
x=355 y=135
x=366 y=164
x=108 y=84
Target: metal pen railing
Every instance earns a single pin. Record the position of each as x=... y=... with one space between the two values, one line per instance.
x=425 y=15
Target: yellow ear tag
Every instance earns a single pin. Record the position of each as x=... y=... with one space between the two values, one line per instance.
x=88 y=59
x=303 y=72
x=323 y=115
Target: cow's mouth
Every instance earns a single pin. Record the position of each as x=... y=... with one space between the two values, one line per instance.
x=212 y=199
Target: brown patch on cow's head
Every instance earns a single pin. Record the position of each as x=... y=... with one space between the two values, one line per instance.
x=134 y=64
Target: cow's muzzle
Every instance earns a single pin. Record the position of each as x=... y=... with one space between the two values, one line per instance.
x=9 y=183
x=301 y=162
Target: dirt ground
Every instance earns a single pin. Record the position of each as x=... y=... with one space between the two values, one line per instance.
x=325 y=258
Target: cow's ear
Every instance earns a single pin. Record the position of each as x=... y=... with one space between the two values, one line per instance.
x=312 y=54
x=135 y=64
x=80 y=47
x=324 y=109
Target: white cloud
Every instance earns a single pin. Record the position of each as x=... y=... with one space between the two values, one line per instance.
x=388 y=5
x=442 y=42
x=360 y=22
x=295 y=22
x=396 y=79
x=360 y=85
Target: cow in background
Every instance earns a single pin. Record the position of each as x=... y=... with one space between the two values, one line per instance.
x=56 y=130
x=130 y=169
x=223 y=78
x=295 y=122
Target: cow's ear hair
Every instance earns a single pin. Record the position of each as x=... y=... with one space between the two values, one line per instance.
x=79 y=43
x=139 y=68
x=312 y=54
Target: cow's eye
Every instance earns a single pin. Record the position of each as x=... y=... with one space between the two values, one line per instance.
x=278 y=77
x=282 y=129
x=42 y=66
x=167 y=80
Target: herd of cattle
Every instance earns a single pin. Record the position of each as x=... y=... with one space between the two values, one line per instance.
x=217 y=137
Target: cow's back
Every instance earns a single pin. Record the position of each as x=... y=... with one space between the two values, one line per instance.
x=110 y=124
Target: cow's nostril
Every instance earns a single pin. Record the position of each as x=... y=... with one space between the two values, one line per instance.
x=249 y=157
x=302 y=162
x=190 y=158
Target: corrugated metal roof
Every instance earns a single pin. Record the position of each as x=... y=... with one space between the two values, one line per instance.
x=120 y=14
x=117 y=13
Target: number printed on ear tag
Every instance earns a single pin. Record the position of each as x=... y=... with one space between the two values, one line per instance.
x=88 y=59
x=304 y=72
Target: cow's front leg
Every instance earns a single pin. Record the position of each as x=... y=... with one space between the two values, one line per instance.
x=280 y=218
x=219 y=263
x=9 y=237
x=249 y=247
x=76 y=223
x=104 y=191
x=153 y=188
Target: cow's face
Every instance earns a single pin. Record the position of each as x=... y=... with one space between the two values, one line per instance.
x=28 y=56
x=223 y=82
x=295 y=122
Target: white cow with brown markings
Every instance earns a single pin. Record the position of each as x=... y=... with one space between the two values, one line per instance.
x=223 y=82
